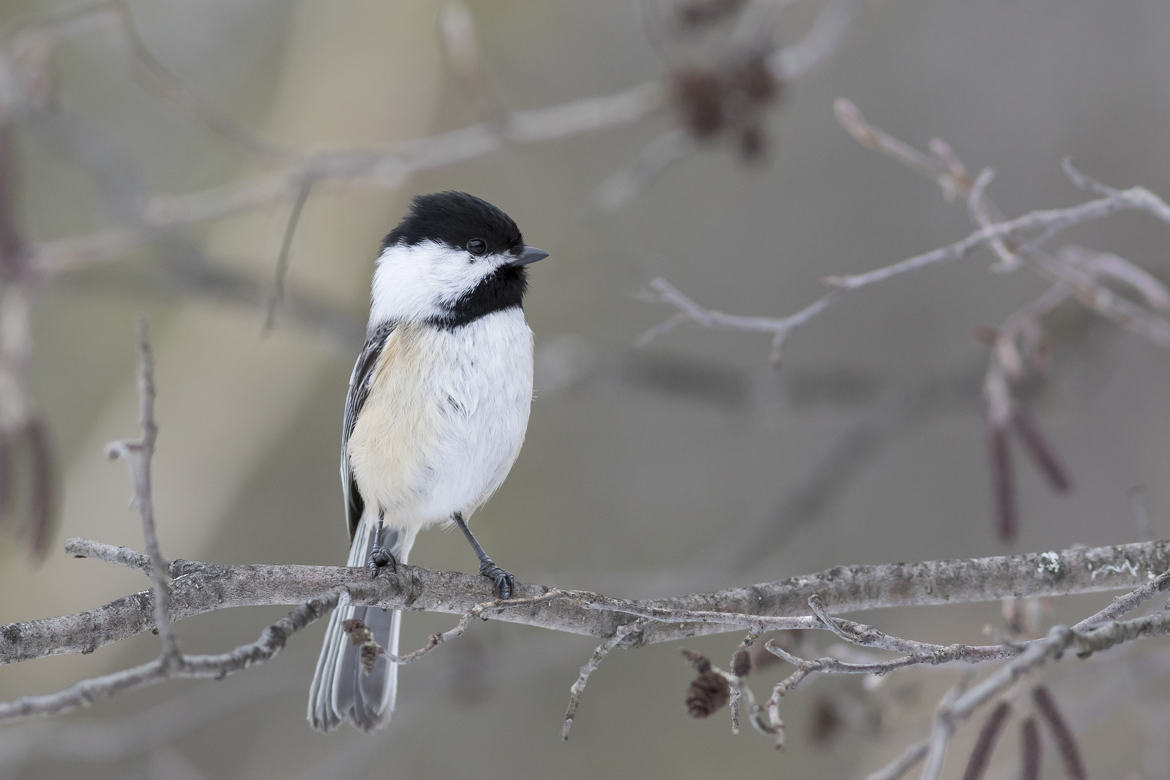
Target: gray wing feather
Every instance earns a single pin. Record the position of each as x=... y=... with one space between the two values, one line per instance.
x=355 y=398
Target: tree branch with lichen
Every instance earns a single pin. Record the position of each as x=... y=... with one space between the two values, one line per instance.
x=200 y=588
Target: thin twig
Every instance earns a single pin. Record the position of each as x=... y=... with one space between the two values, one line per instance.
x=944 y=726
x=645 y=169
x=282 y=259
x=591 y=666
x=949 y=172
x=456 y=631
x=83 y=693
x=138 y=455
x=1048 y=221
x=1126 y=603
x=387 y=167
x=122 y=556
x=818 y=43
x=167 y=86
x=951 y=715
x=113 y=739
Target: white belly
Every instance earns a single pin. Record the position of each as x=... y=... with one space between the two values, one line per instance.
x=444 y=419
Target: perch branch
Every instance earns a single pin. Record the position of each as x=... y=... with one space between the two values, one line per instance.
x=198 y=588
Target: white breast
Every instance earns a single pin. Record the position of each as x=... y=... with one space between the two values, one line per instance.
x=445 y=418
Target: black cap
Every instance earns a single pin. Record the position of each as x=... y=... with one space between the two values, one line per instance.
x=454 y=218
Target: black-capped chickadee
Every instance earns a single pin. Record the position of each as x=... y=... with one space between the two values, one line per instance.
x=435 y=415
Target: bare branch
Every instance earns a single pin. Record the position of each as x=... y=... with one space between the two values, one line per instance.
x=591 y=666
x=944 y=726
x=1127 y=603
x=205 y=587
x=650 y=163
x=384 y=168
x=122 y=556
x=818 y=43
x=283 y=258
x=118 y=738
x=270 y=642
x=1107 y=265
x=1035 y=654
x=389 y=167
x=165 y=85
x=1048 y=221
x=137 y=455
x=1083 y=180
x=849 y=116
x=361 y=635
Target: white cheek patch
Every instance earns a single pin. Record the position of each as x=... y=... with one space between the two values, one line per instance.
x=420 y=282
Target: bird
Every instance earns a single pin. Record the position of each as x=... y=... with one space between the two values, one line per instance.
x=435 y=414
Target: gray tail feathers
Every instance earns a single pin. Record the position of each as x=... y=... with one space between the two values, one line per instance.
x=341 y=690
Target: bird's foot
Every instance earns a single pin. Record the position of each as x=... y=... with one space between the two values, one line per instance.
x=380 y=558
x=503 y=583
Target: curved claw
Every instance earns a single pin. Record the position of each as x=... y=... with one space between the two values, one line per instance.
x=379 y=559
x=503 y=583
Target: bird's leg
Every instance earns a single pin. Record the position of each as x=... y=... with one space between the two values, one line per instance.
x=380 y=557
x=502 y=581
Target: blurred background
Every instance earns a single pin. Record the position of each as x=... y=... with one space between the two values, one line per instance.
x=684 y=465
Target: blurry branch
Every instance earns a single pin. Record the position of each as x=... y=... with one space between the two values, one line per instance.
x=1047 y=222
x=726 y=98
x=388 y=168
x=156 y=78
x=1020 y=349
x=276 y=297
x=391 y=167
x=460 y=43
x=723 y=99
x=172 y=662
x=827 y=477
x=24 y=436
x=117 y=739
x=1095 y=633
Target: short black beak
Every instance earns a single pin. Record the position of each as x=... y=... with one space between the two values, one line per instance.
x=530 y=254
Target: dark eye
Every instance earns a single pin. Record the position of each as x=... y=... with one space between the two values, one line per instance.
x=477 y=246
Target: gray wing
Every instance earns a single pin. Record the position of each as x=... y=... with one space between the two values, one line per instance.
x=359 y=389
